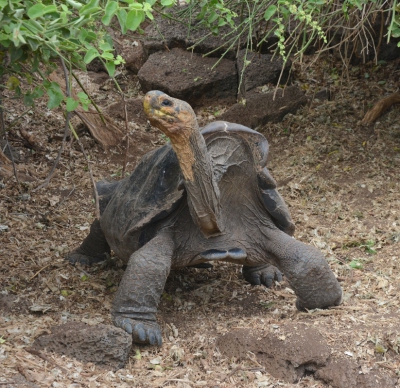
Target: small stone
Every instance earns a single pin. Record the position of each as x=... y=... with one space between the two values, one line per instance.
x=103 y=345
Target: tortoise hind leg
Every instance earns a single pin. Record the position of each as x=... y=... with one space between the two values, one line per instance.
x=261 y=275
x=136 y=300
x=93 y=249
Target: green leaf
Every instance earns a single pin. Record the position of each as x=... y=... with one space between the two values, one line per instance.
x=75 y=4
x=39 y=10
x=37 y=92
x=71 y=104
x=56 y=96
x=33 y=44
x=119 y=60
x=89 y=8
x=395 y=32
x=12 y=83
x=271 y=10
x=121 y=15
x=36 y=11
x=107 y=56
x=84 y=100
x=110 y=10
x=86 y=36
x=110 y=66
x=221 y=22
x=133 y=19
x=91 y=54
x=105 y=46
x=355 y=264
x=28 y=99
x=167 y=3
x=213 y=17
x=19 y=13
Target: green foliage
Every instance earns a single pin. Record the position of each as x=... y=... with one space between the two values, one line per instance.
x=356 y=264
x=369 y=247
x=34 y=34
x=296 y=24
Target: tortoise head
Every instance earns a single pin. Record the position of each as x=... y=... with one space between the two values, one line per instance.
x=172 y=116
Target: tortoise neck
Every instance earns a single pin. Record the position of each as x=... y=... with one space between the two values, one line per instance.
x=199 y=180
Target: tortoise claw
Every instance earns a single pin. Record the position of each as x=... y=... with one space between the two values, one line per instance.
x=262 y=275
x=76 y=256
x=143 y=332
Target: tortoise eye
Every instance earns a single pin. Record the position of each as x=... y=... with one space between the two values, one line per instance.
x=166 y=103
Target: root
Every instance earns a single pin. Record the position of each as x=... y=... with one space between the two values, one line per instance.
x=380 y=107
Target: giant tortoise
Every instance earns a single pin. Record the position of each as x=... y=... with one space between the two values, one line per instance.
x=206 y=196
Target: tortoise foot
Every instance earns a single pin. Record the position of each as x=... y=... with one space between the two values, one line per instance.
x=262 y=275
x=143 y=332
x=77 y=257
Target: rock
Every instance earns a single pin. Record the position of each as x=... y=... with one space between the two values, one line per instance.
x=261 y=108
x=171 y=34
x=323 y=95
x=376 y=378
x=96 y=66
x=103 y=345
x=134 y=108
x=189 y=77
x=287 y=354
x=295 y=350
x=261 y=70
x=133 y=53
x=342 y=373
x=339 y=373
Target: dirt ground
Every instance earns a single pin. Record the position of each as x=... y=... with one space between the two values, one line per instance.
x=341 y=182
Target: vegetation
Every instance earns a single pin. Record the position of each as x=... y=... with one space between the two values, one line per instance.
x=297 y=24
x=33 y=34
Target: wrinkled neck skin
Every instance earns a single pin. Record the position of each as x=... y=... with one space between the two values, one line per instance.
x=197 y=169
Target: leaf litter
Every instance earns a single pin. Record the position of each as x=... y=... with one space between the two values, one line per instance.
x=341 y=182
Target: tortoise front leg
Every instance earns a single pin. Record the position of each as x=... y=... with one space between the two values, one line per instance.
x=135 y=304
x=261 y=275
x=306 y=270
x=93 y=249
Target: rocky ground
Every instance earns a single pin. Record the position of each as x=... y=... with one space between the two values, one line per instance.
x=341 y=182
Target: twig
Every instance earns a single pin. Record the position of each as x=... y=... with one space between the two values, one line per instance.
x=235 y=369
x=96 y=194
x=45 y=358
x=66 y=132
x=21 y=370
x=66 y=197
x=3 y=129
x=90 y=98
x=127 y=136
x=40 y=270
